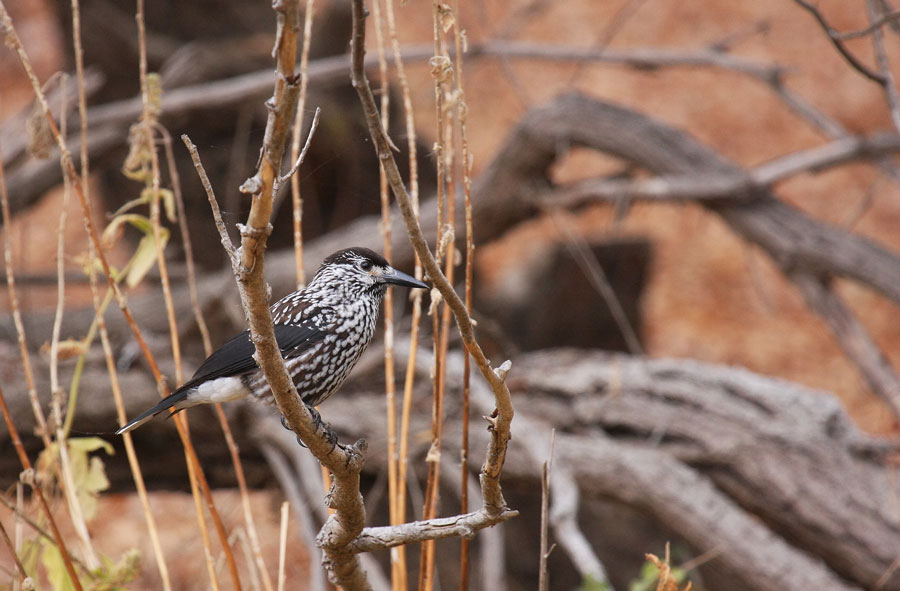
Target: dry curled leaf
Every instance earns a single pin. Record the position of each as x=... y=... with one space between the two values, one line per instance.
x=667 y=578
x=67 y=349
x=40 y=139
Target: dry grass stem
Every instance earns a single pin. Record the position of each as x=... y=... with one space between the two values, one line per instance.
x=282 y=544
x=64 y=466
x=20 y=569
x=13 y=40
x=29 y=470
x=131 y=454
x=148 y=118
x=296 y=197
x=398 y=556
x=207 y=347
x=185 y=237
x=545 y=549
x=466 y=166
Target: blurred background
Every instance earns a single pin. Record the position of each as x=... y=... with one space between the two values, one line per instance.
x=768 y=244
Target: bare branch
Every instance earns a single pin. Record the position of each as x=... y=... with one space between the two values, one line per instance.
x=852 y=337
x=891 y=94
x=836 y=40
x=211 y=196
x=888 y=17
x=377 y=538
x=740 y=186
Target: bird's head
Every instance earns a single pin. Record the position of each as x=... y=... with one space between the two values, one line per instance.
x=363 y=270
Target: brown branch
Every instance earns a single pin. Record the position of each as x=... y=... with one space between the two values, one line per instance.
x=503 y=413
x=345 y=463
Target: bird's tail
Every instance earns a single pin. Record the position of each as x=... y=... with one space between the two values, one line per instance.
x=170 y=401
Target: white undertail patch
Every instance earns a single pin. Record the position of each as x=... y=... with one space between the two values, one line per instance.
x=218 y=390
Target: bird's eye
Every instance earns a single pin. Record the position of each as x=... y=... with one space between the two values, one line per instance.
x=366 y=265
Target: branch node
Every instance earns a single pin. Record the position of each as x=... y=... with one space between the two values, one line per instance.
x=503 y=370
x=252 y=185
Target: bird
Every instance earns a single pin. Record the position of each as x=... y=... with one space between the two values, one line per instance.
x=321 y=330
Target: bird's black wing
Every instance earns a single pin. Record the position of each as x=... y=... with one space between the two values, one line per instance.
x=235 y=357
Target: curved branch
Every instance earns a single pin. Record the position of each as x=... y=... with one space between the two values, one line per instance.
x=500 y=419
x=465 y=526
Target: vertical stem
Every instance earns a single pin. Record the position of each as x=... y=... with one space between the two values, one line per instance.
x=130 y=452
x=398 y=569
x=26 y=465
x=399 y=553
x=438 y=72
x=466 y=162
x=296 y=140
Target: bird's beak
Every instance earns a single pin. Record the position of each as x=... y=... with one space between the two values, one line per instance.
x=392 y=275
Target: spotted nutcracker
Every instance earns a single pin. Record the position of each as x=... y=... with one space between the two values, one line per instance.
x=321 y=330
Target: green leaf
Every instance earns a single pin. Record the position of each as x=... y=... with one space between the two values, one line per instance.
x=88 y=472
x=53 y=563
x=144 y=257
x=589 y=583
x=647 y=578
x=168 y=199
x=113 y=576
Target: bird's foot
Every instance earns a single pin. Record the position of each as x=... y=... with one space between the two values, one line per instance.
x=318 y=423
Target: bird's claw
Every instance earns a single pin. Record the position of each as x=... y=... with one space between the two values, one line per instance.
x=318 y=423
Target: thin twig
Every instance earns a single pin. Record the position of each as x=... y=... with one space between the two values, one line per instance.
x=884 y=19
x=852 y=337
x=36 y=409
x=593 y=270
x=835 y=38
x=441 y=72
x=213 y=203
x=462 y=110
x=891 y=94
x=297 y=137
x=20 y=568
x=543 y=575
x=289 y=481
x=149 y=114
x=185 y=238
x=312 y=131
x=66 y=476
